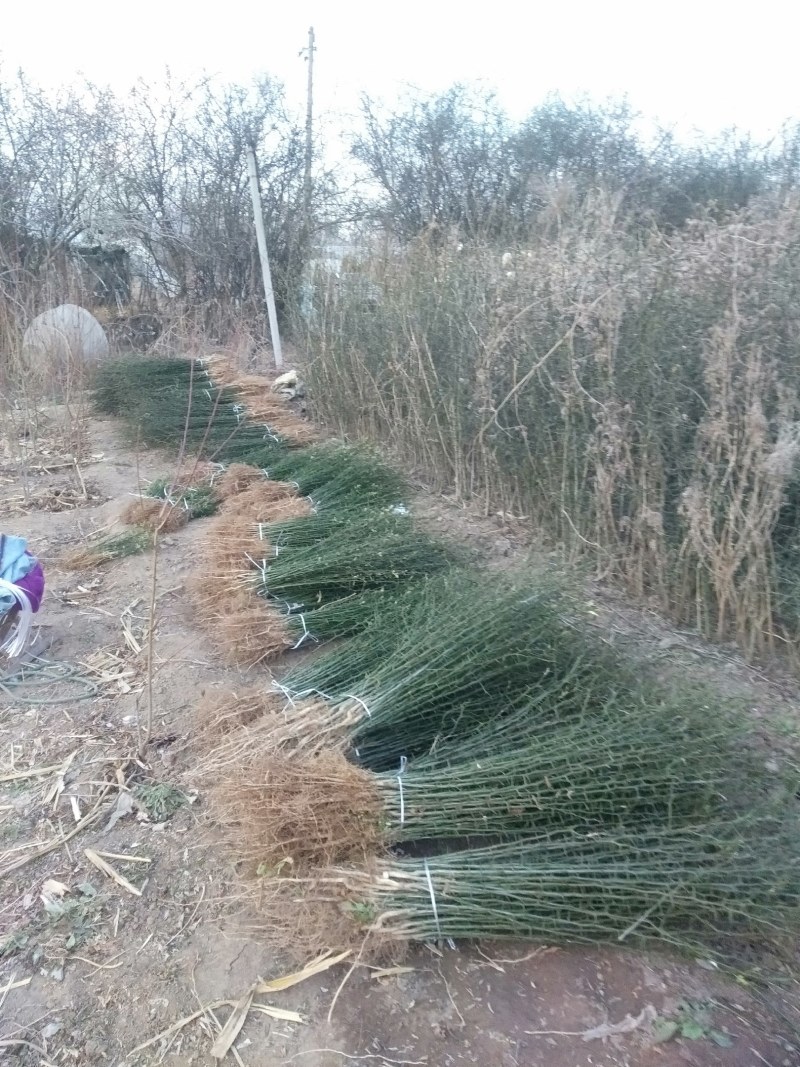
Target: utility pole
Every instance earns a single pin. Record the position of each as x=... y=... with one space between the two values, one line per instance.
x=258 y=213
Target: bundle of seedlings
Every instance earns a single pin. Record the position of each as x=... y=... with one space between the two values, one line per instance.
x=261 y=632
x=371 y=552
x=328 y=675
x=204 y=416
x=536 y=767
x=464 y=647
x=426 y=669
x=114 y=546
x=120 y=382
x=250 y=629
x=567 y=752
x=123 y=381
x=195 y=494
x=279 y=535
x=713 y=883
x=358 y=493
x=334 y=474
x=161 y=516
x=232 y=545
x=173 y=402
x=168 y=504
x=346 y=499
x=261 y=453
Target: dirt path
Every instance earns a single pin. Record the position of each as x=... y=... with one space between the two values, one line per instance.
x=107 y=970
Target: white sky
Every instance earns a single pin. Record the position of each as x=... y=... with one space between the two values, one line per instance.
x=693 y=65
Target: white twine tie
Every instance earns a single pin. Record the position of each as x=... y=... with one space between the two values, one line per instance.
x=433 y=899
x=358 y=700
x=306 y=635
x=403 y=765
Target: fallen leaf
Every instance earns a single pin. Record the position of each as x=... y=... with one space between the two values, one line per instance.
x=97 y=860
x=235 y=1022
x=123 y=807
x=53 y=888
x=317 y=966
x=278 y=1013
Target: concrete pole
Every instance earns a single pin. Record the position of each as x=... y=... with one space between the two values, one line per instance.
x=261 y=236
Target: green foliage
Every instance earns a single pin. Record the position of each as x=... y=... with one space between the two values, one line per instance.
x=14 y=943
x=693 y=1022
x=161 y=800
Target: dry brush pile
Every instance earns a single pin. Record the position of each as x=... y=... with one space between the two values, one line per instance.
x=471 y=760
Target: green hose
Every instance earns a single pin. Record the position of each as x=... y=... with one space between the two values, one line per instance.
x=39 y=673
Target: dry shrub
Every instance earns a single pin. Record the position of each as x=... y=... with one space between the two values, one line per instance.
x=305 y=811
x=743 y=462
x=156 y=515
x=634 y=394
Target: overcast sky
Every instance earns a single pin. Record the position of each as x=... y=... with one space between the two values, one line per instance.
x=692 y=65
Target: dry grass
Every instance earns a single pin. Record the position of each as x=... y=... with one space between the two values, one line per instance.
x=734 y=500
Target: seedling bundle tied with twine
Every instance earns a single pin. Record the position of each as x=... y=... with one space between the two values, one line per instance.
x=473 y=760
x=612 y=804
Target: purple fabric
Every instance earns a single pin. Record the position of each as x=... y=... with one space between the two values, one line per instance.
x=33 y=584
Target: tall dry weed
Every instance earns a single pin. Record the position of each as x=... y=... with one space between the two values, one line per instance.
x=633 y=392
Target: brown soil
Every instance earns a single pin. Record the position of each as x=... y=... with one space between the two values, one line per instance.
x=110 y=969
